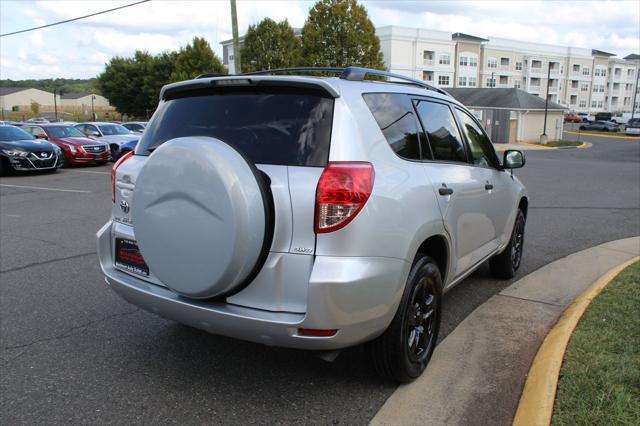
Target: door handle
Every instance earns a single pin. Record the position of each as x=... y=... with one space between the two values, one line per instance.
x=488 y=186
x=445 y=191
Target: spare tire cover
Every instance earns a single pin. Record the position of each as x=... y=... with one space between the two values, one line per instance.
x=199 y=216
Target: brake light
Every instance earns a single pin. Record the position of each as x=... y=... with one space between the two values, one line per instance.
x=118 y=163
x=343 y=190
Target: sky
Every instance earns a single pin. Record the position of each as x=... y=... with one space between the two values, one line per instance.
x=80 y=49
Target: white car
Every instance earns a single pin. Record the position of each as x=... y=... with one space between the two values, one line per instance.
x=633 y=127
x=113 y=134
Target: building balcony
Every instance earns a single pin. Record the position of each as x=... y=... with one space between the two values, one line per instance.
x=428 y=62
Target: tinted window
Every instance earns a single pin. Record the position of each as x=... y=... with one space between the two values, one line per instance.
x=11 y=133
x=481 y=150
x=442 y=133
x=280 y=126
x=113 y=129
x=394 y=114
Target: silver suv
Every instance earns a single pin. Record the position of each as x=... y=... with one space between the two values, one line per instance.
x=311 y=212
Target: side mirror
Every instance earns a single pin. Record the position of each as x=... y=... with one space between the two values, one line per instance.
x=513 y=159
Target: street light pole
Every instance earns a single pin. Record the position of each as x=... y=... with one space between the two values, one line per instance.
x=543 y=136
x=635 y=93
x=93 y=114
x=55 y=104
x=493 y=82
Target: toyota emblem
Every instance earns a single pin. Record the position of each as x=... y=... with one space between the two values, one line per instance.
x=124 y=206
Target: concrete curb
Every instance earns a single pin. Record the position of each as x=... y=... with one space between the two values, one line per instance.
x=477 y=373
x=601 y=135
x=538 y=396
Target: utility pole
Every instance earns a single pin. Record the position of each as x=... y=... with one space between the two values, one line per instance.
x=543 y=136
x=93 y=114
x=635 y=93
x=493 y=82
x=236 y=41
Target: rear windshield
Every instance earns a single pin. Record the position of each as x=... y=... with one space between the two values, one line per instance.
x=279 y=126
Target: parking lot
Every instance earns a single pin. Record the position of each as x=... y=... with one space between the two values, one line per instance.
x=72 y=351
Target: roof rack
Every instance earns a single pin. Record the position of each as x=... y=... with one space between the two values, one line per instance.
x=349 y=73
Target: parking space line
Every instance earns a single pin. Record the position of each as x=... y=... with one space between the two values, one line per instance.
x=41 y=188
x=87 y=171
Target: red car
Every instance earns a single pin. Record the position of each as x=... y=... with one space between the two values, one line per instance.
x=77 y=148
x=572 y=118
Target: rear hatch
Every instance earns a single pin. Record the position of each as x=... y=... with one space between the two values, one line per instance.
x=284 y=131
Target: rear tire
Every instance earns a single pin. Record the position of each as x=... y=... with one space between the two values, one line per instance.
x=506 y=264
x=403 y=351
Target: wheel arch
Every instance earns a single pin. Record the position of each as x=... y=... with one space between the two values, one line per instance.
x=437 y=247
x=524 y=205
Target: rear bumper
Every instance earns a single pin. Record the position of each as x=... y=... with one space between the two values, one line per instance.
x=632 y=131
x=356 y=296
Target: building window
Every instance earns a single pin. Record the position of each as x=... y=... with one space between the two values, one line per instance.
x=596 y=72
x=445 y=60
x=427 y=57
x=504 y=62
x=473 y=62
x=504 y=80
x=518 y=66
x=573 y=100
x=492 y=63
x=516 y=84
x=584 y=87
x=576 y=67
x=594 y=104
x=600 y=104
x=231 y=57
x=443 y=80
x=604 y=73
x=601 y=88
x=583 y=104
x=464 y=61
x=472 y=82
x=586 y=71
x=630 y=73
x=491 y=82
x=427 y=75
x=462 y=81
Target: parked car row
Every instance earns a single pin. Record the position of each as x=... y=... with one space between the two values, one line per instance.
x=41 y=145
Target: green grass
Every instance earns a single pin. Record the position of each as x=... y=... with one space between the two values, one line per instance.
x=563 y=142
x=600 y=377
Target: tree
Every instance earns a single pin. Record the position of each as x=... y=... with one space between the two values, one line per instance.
x=339 y=33
x=132 y=85
x=195 y=59
x=35 y=107
x=270 y=45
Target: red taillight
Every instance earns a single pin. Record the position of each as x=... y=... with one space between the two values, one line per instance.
x=343 y=190
x=312 y=332
x=122 y=159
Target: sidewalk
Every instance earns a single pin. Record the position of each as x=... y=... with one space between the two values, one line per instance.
x=477 y=373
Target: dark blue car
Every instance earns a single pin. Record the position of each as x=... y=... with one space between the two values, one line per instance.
x=124 y=148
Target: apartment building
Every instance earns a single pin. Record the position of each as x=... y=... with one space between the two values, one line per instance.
x=583 y=80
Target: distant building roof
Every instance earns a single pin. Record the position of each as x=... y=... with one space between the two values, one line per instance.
x=601 y=53
x=632 y=57
x=467 y=37
x=76 y=95
x=514 y=99
x=10 y=90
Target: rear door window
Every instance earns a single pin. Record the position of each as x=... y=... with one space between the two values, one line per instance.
x=396 y=118
x=280 y=126
x=441 y=129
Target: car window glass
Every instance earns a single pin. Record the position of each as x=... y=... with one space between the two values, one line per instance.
x=270 y=125
x=442 y=132
x=64 y=132
x=395 y=116
x=480 y=147
x=11 y=133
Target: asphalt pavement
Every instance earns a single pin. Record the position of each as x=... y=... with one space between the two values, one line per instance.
x=72 y=351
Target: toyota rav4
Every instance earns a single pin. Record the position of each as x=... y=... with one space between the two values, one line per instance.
x=311 y=212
